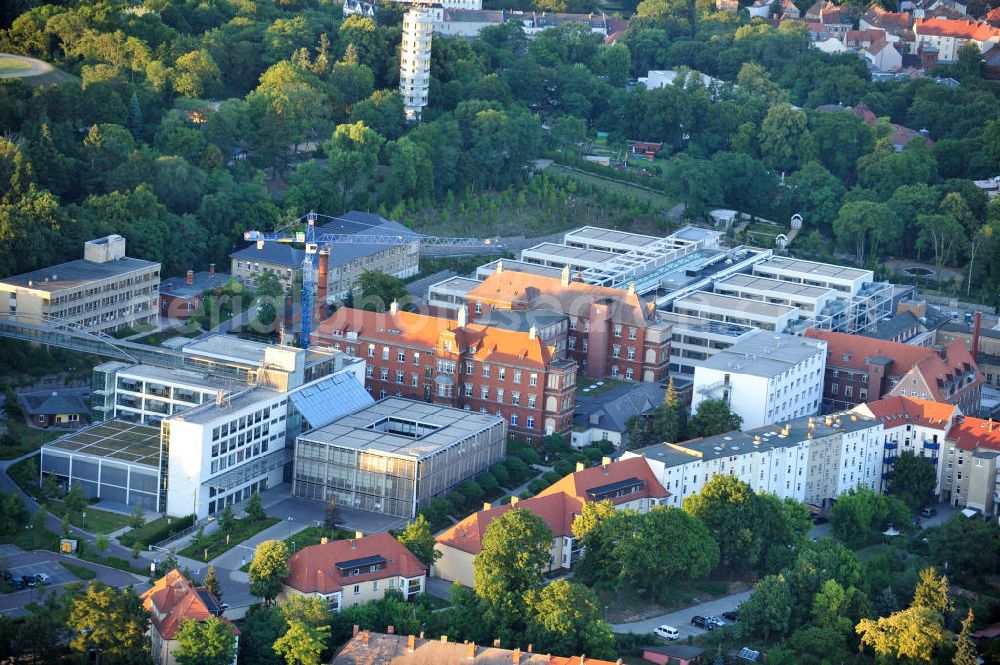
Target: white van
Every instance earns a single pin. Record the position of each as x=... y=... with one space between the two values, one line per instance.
x=667 y=632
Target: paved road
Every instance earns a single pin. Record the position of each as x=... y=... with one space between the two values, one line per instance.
x=681 y=619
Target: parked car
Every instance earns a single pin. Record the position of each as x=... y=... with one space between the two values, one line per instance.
x=928 y=511
x=42 y=578
x=702 y=622
x=733 y=616
x=5 y=575
x=29 y=580
x=719 y=623
x=17 y=583
x=667 y=632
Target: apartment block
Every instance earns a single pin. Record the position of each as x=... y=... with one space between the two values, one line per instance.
x=860 y=369
x=344 y=573
x=809 y=459
x=394 y=456
x=337 y=267
x=479 y=368
x=611 y=332
x=103 y=292
x=766 y=378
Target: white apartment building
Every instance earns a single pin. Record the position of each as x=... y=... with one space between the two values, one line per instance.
x=415 y=60
x=103 y=292
x=808 y=459
x=766 y=378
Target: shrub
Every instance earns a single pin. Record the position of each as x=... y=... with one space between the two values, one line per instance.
x=528 y=456
x=537 y=485
x=552 y=477
x=517 y=468
x=500 y=472
x=564 y=467
x=488 y=482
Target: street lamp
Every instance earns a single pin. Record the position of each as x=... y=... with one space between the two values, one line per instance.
x=290 y=520
x=85 y=520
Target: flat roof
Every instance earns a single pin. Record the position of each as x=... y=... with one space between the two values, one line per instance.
x=520 y=266
x=744 y=281
x=209 y=411
x=815 y=268
x=732 y=304
x=578 y=255
x=117 y=440
x=765 y=354
x=596 y=233
x=688 y=322
x=520 y=321
x=201 y=281
x=771 y=437
x=227 y=348
x=187 y=377
x=73 y=274
x=455 y=285
x=450 y=426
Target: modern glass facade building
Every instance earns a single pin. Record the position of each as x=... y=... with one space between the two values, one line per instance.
x=395 y=455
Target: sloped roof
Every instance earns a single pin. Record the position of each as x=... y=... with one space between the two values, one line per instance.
x=616 y=406
x=52 y=403
x=845 y=350
x=173 y=600
x=975 y=433
x=519 y=289
x=426 y=331
x=938 y=371
x=582 y=484
x=315 y=569
x=979 y=31
x=897 y=410
x=893 y=22
x=557 y=510
x=272 y=252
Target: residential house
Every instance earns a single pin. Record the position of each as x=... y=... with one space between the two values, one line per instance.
x=893 y=24
x=859 y=369
x=172 y=601
x=367 y=648
x=611 y=332
x=901 y=135
x=993 y=17
x=787 y=9
x=883 y=57
x=180 y=297
x=673 y=654
x=456 y=363
x=354 y=571
x=605 y=415
x=62 y=409
x=950 y=35
x=987 y=355
x=831 y=17
x=761 y=8
x=970 y=464
x=626 y=483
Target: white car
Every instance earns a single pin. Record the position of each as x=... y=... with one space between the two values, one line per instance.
x=42 y=578
x=667 y=632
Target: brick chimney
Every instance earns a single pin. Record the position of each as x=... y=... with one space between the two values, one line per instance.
x=515 y=657
x=487 y=505
x=564 y=280
x=531 y=648
x=211 y=268
x=190 y=277
x=391 y=630
x=365 y=636
x=470 y=651
x=411 y=643
x=355 y=630
x=496 y=643
x=513 y=502
x=580 y=466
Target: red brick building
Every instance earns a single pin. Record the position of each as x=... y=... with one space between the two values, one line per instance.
x=611 y=332
x=861 y=369
x=466 y=365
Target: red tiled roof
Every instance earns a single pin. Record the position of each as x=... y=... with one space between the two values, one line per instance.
x=974 y=433
x=426 y=331
x=898 y=410
x=862 y=37
x=557 y=510
x=889 y=21
x=979 y=31
x=314 y=569
x=523 y=289
x=580 y=483
x=173 y=600
x=993 y=16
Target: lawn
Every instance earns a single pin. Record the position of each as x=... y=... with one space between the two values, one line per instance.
x=82 y=572
x=627 y=605
x=589 y=388
x=25 y=474
x=9 y=65
x=97 y=521
x=611 y=184
x=218 y=542
x=28 y=439
x=153 y=532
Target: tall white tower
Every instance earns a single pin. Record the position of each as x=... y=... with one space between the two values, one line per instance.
x=415 y=59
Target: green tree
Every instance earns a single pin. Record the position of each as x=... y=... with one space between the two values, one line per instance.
x=516 y=549
x=111 y=621
x=227 y=519
x=913 y=634
x=302 y=644
x=376 y=290
x=101 y=542
x=270 y=296
x=268 y=569
x=965 y=650
x=786 y=523
x=944 y=236
x=818 y=195
x=971 y=547
x=196 y=74
x=728 y=506
x=861 y=225
x=207 y=642
x=255 y=508
x=262 y=627
x=383 y=112
x=211 y=582
x=713 y=416
x=565 y=617
x=418 y=538
x=861 y=514
x=138 y=518
x=74 y=501
x=912 y=479
x=785 y=140
x=768 y=612
x=331 y=514
x=669 y=418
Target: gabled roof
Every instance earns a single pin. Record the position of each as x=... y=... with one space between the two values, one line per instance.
x=979 y=31
x=52 y=403
x=941 y=372
x=616 y=406
x=893 y=22
x=895 y=411
x=522 y=289
x=975 y=433
x=853 y=351
x=590 y=484
x=173 y=600
x=557 y=510
x=274 y=253
x=328 y=567
x=425 y=331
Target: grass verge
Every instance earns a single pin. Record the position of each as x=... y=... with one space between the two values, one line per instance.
x=97 y=521
x=81 y=572
x=28 y=439
x=215 y=544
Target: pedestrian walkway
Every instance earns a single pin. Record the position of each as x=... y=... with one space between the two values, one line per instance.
x=241 y=554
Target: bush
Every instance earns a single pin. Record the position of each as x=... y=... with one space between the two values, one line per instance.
x=472 y=490
x=537 y=485
x=155 y=531
x=528 y=455
x=564 y=467
x=605 y=446
x=552 y=477
x=592 y=455
x=488 y=482
x=500 y=472
x=525 y=495
x=518 y=469
x=631 y=644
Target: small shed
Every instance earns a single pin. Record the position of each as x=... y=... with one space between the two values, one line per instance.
x=673 y=654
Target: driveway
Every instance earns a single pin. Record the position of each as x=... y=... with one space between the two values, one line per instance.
x=681 y=619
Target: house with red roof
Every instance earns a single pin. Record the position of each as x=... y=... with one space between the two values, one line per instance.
x=860 y=369
x=171 y=601
x=950 y=35
x=354 y=571
x=969 y=472
x=628 y=484
x=893 y=24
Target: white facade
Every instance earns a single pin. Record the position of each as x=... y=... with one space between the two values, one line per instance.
x=767 y=378
x=415 y=60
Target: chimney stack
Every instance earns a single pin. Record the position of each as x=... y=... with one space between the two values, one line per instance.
x=411 y=643
x=499 y=266
x=355 y=630
x=463 y=316
x=444 y=638
x=394 y=307
x=514 y=500
x=532 y=332
x=487 y=505
x=605 y=461
x=565 y=276
x=391 y=630
x=516 y=657
x=531 y=649
x=190 y=277
x=211 y=268
x=470 y=651
x=631 y=288
x=496 y=643
x=365 y=636
x=324 y=540
x=580 y=466
x=359 y=534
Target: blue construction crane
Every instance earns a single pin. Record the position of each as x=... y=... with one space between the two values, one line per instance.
x=314 y=241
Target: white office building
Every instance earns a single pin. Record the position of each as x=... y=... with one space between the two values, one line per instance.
x=415 y=60
x=809 y=459
x=766 y=378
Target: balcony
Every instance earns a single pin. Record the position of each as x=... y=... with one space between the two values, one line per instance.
x=891 y=445
x=930 y=445
x=889 y=460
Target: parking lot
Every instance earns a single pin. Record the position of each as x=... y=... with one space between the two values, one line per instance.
x=55 y=571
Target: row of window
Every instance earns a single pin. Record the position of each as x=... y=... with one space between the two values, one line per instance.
x=848 y=390
x=239 y=424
